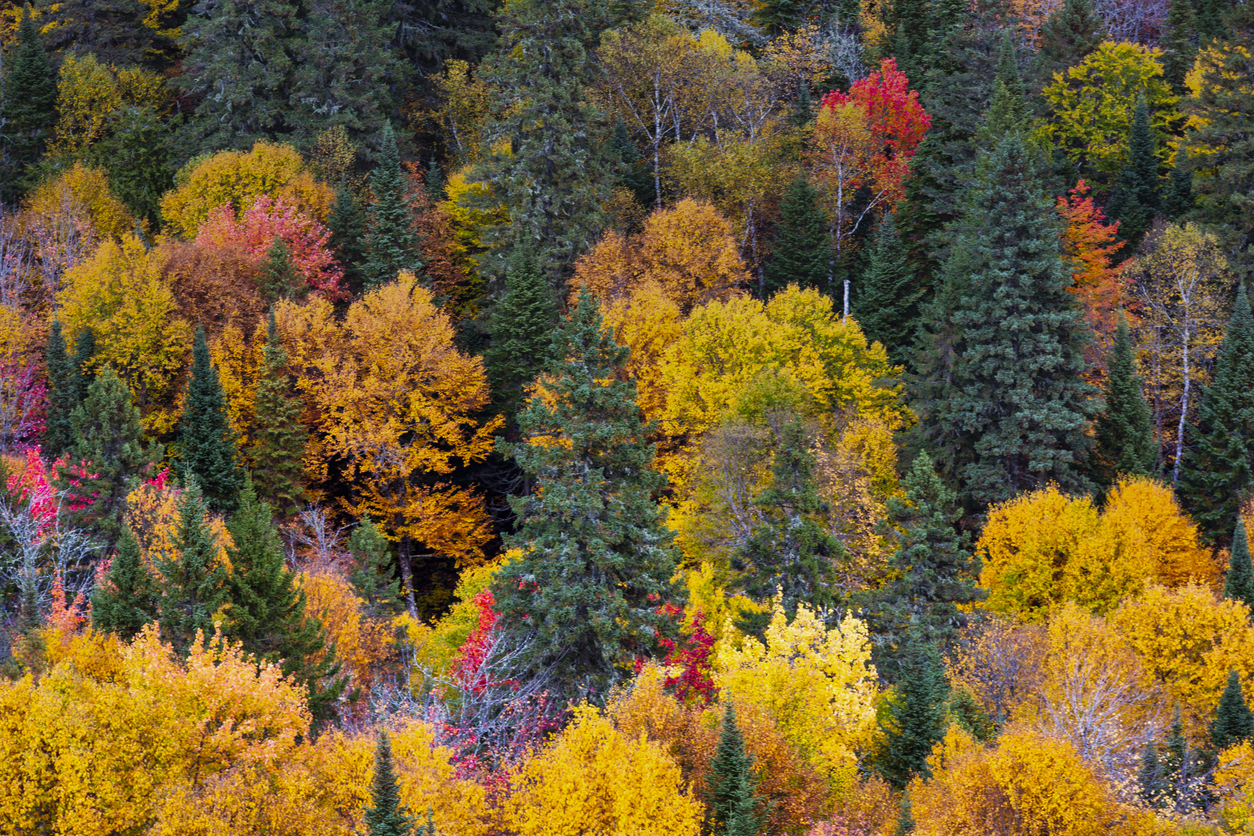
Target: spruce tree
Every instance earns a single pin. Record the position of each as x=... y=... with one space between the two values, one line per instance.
x=208 y=444
x=373 y=576
x=1179 y=43
x=597 y=558
x=1232 y=723
x=1125 y=432
x=1177 y=769
x=1151 y=788
x=277 y=277
x=347 y=223
x=886 y=305
x=1239 y=580
x=29 y=109
x=62 y=395
x=277 y=451
x=522 y=331
x=192 y=582
x=1002 y=399
x=84 y=350
x=126 y=600
x=915 y=717
x=391 y=244
x=136 y=157
x=1068 y=36
x=386 y=816
x=905 y=818
x=801 y=251
x=1217 y=470
x=1138 y=193
x=732 y=801
x=1178 y=198
x=114 y=31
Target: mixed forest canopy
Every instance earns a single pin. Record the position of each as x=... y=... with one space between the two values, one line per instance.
x=719 y=417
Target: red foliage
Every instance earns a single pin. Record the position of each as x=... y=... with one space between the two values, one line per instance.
x=468 y=668
x=1099 y=283
x=33 y=485
x=23 y=397
x=65 y=617
x=693 y=683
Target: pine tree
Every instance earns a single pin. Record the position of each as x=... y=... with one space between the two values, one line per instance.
x=268 y=609
x=347 y=223
x=1138 y=194
x=522 y=331
x=29 y=109
x=279 y=436
x=597 y=559
x=208 y=444
x=192 y=582
x=386 y=816
x=732 y=800
x=1233 y=723
x=801 y=251
x=915 y=717
x=1068 y=36
x=276 y=276
x=1218 y=465
x=1125 y=432
x=126 y=600
x=1179 y=43
x=62 y=395
x=1239 y=580
x=887 y=305
x=1150 y=778
x=373 y=576
x=391 y=243
x=1001 y=398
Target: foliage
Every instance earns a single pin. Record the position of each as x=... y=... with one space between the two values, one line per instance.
x=30 y=95
x=731 y=800
x=1098 y=277
x=278 y=442
x=887 y=300
x=386 y=816
x=364 y=643
x=192 y=577
x=1125 y=436
x=208 y=447
x=1233 y=722
x=1239 y=579
x=801 y=249
x=123 y=602
x=914 y=717
x=391 y=247
x=522 y=329
x=88 y=188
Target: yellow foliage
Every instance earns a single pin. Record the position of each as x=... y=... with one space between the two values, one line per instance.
x=464 y=207
x=238 y=178
x=87 y=190
x=593 y=779
x=818 y=684
x=1150 y=508
x=237 y=358
x=153 y=516
x=92 y=97
x=646 y=321
x=362 y=644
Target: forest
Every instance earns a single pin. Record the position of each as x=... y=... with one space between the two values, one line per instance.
x=626 y=417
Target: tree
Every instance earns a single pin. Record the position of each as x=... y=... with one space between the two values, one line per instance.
x=277 y=277
x=347 y=223
x=279 y=435
x=1232 y=723
x=1138 y=194
x=1002 y=398
x=801 y=248
x=1178 y=197
x=29 y=111
x=886 y=305
x=1125 y=433
x=585 y=598
x=114 y=31
x=373 y=576
x=386 y=816
x=1239 y=580
x=208 y=445
x=1068 y=36
x=1179 y=43
x=522 y=331
x=63 y=395
x=391 y=246
x=193 y=583
x=916 y=715
x=732 y=803
x=1150 y=785
x=1098 y=277
x=125 y=599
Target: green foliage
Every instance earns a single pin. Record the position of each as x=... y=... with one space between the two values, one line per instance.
x=1179 y=43
x=1178 y=198
x=192 y=583
x=887 y=302
x=391 y=244
x=1125 y=434
x=111 y=30
x=597 y=560
x=29 y=109
x=1232 y=722
x=1218 y=465
x=522 y=331
x=915 y=716
x=1137 y=195
x=801 y=251
x=125 y=601
x=1150 y=786
x=136 y=158
x=373 y=576
x=208 y=445
x=386 y=816
x=732 y=800
x=279 y=436
x=277 y=277
x=1239 y=580
x=1068 y=36
x=347 y=223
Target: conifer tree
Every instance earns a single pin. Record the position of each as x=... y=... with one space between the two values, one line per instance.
x=62 y=395
x=905 y=819
x=633 y=171
x=192 y=582
x=208 y=444
x=373 y=576
x=279 y=436
x=1178 y=764
x=1138 y=194
x=276 y=276
x=1150 y=778
x=1178 y=198
x=1125 y=432
x=84 y=350
x=801 y=251
x=732 y=800
x=386 y=816
x=29 y=109
x=1232 y=723
x=1067 y=38
x=597 y=560
x=522 y=331
x=1239 y=580
x=347 y=223
x=114 y=31
x=1217 y=469
x=1179 y=43
x=391 y=244
x=915 y=717
x=126 y=600
x=887 y=304
x=1001 y=397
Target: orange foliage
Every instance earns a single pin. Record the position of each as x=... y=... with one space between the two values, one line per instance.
x=213 y=285
x=1088 y=242
x=446 y=266
x=362 y=644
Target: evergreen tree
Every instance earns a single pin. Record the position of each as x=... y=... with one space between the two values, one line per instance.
x=887 y=305
x=112 y=30
x=1239 y=580
x=732 y=800
x=1012 y=79
x=1125 y=432
x=373 y=576
x=1177 y=768
x=276 y=276
x=192 y=582
x=1217 y=469
x=136 y=158
x=1232 y=723
x=1150 y=778
x=126 y=600
x=1179 y=43
x=29 y=109
x=915 y=717
x=1002 y=399
x=801 y=251
x=391 y=243
x=279 y=436
x=1137 y=196
x=208 y=443
x=1178 y=199
x=905 y=819
x=386 y=816
x=597 y=558
x=347 y=223
x=62 y=395
x=84 y=350
x=522 y=331
x=1068 y=36
x=633 y=172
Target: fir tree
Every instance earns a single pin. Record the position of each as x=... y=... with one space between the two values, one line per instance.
x=1179 y=43
x=1232 y=723
x=905 y=819
x=1125 y=432
x=1150 y=778
x=1177 y=768
x=887 y=305
x=126 y=600
x=522 y=331
x=915 y=717
x=277 y=277
x=1239 y=580
x=29 y=109
x=136 y=157
x=597 y=559
x=114 y=31
x=279 y=436
x=373 y=576
x=192 y=583
x=1178 y=199
x=1217 y=469
x=347 y=223
x=732 y=800
x=1068 y=36
x=84 y=350
x=208 y=443
x=62 y=396
x=391 y=244
x=1137 y=196
x=386 y=816
x=801 y=251
x=634 y=172
x=1002 y=399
